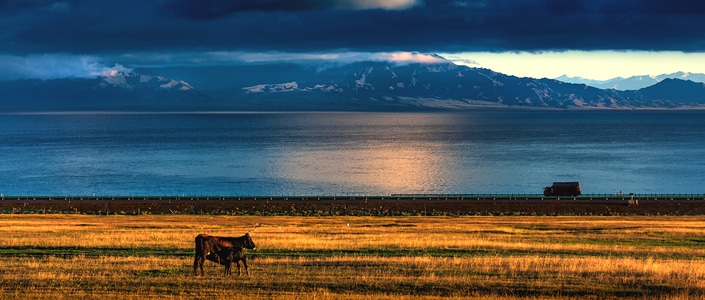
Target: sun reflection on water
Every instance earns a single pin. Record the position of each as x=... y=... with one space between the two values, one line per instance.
x=370 y=169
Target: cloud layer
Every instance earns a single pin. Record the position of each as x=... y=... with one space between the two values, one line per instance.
x=53 y=66
x=135 y=26
x=213 y=9
x=48 y=67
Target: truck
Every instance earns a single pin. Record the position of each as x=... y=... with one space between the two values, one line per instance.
x=562 y=189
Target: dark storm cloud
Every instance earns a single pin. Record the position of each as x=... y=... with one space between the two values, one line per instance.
x=133 y=26
x=211 y=9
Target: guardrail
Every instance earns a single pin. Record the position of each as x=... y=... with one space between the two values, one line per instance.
x=597 y=195
x=393 y=198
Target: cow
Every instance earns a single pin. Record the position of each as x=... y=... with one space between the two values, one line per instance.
x=229 y=255
x=212 y=247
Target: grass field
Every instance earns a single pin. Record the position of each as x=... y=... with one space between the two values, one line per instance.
x=143 y=257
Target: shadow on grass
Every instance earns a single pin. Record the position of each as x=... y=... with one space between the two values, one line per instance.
x=91 y=251
x=12 y=251
x=475 y=289
x=163 y=272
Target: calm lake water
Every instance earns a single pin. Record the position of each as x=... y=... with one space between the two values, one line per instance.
x=483 y=151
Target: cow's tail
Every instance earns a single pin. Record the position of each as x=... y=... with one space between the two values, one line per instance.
x=199 y=248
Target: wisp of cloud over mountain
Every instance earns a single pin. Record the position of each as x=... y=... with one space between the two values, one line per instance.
x=53 y=39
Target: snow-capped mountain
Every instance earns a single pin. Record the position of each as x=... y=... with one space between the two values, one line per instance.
x=132 y=80
x=360 y=86
x=449 y=86
x=444 y=85
x=108 y=91
x=634 y=82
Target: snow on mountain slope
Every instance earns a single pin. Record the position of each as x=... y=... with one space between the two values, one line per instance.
x=633 y=82
x=131 y=80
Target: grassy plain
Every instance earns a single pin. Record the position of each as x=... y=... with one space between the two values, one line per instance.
x=151 y=257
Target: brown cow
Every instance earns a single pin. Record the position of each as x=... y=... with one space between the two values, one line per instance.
x=212 y=247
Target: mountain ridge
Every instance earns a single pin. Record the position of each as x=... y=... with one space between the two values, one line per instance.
x=633 y=82
x=360 y=86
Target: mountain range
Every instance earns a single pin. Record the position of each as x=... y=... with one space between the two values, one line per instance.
x=634 y=82
x=360 y=86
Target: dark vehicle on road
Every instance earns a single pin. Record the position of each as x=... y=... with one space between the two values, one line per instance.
x=562 y=189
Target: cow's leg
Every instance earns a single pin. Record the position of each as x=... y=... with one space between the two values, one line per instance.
x=199 y=256
x=227 y=268
x=201 y=260
x=195 y=265
x=244 y=262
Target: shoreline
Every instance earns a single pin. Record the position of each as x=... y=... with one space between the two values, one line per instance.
x=454 y=109
x=360 y=206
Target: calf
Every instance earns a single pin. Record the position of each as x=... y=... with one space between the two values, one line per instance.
x=229 y=255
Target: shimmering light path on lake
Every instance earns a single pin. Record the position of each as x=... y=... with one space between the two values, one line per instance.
x=291 y=154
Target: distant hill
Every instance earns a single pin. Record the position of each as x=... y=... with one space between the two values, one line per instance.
x=675 y=93
x=120 y=91
x=634 y=82
x=361 y=86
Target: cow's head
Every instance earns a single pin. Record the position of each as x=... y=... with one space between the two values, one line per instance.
x=249 y=244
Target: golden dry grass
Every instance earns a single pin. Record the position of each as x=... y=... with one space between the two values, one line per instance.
x=143 y=257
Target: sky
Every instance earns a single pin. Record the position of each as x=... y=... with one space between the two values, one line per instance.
x=597 y=39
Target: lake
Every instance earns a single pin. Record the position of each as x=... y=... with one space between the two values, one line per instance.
x=251 y=154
